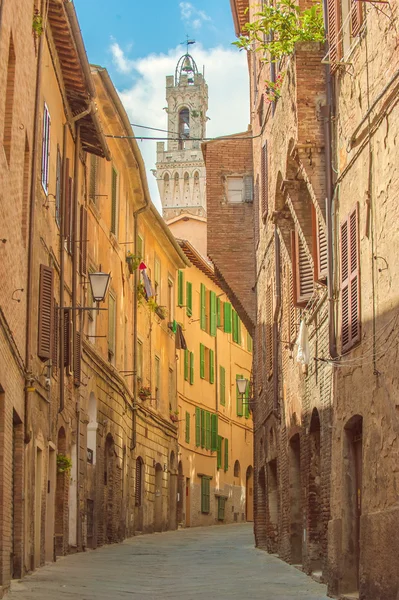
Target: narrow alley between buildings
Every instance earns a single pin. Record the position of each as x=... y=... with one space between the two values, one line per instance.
x=186 y=564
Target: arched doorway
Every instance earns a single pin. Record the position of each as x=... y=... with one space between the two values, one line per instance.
x=249 y=494
x=237 y=469
x=353 y=467
x=61 y=498
x=314 y=496
x=139 y=493
x=180 y=493
x=172 y=492
x=295 y=500
x=109 y=488
x=158 y=498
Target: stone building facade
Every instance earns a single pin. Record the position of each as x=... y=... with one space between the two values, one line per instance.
x=322 y=211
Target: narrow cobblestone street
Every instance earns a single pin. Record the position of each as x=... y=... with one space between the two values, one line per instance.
x=187 y=564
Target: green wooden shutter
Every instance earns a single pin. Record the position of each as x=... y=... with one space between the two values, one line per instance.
x=202 y=361
x=189 y=298
x=205 y=494
x=246 y=405
x=227 y=317
x=180 y=288
x=203 y=430
x=219 y=312
x=208 y=430
x=226 y=455
x=187 y=427
x=238 y=330
x=219 y=452
x=114 y=200
x=221 y=507
x=197 y=426
x=186 y=365
x=212 y=308
x=249 y=343
x=222 y=380
x=203 y=307
x=211 y=366
x=239 y=398
x=214 y=433
x=191 y=368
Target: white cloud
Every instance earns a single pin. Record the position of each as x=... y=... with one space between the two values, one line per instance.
x=123 y=64
x=192 y=16
x=227 y=78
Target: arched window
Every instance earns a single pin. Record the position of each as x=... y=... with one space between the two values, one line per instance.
x=237 y=469
x=139 y=481
x=166 y=178
x=184 y=127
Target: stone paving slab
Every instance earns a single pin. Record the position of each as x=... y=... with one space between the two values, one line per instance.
x=211 y=562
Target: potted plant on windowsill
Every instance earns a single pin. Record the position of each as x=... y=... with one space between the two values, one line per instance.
x=144 y=392
x=132 y=261
x=174 y=416
x=161 y=311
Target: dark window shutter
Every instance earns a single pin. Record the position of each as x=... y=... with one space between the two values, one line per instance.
x=319 y=248
x=77 y=366
x=222 y=378
x=186 y=364
x=239 y=399
x=67 y=339
x=67 y=213
x=264 y=174
x=207 y=430
x=214 y=433
x=58 y=187
x=189 y=298
x=180 y=288
x=302 y=270
x=211 y=366
x=93 y=179
x=191 y=368
x=269 y=331
x=83 y=240
x=334 y=24
x=248 y=183
x=46 y=313
x=114 y=200
x=219 y=452
x=202 y=361
x=203 y=307
x=203 y=428
x=350 y=281
x=227 y=317
x=226 y=455
x=55 y=338
x=187 y=427
x=138 y=487
x=292 y=328
x=212 y=311
x=256 y=209
x=356 y=16
x=197 y=426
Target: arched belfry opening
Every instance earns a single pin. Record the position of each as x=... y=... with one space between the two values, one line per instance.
x=184 y=127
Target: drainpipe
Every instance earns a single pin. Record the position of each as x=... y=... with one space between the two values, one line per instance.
x=29 y=285
x=277 y=297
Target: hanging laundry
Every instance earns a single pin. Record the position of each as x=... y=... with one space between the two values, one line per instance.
x=302 y=342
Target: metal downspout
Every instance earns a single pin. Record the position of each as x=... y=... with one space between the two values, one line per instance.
x=277 y=264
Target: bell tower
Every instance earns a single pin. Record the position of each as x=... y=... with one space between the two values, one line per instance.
x=180 y=169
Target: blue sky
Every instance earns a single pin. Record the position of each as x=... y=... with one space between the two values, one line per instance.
x=140 y=47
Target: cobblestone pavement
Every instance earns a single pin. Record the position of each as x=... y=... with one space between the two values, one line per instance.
x=211 y=562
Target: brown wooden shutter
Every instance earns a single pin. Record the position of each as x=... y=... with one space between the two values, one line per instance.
x=264 y=174
x=319 y=248
x=83 y=240
x=55 y=338
x=46 y=313
x=302 y=271
x=256 y=208
x=67 y=215
x=292 y=316
x=67 y=338
x=269 y=330
x=138 y=482
x=77 y=366
x=356 y=16
x=334 y=25
x=350 y=281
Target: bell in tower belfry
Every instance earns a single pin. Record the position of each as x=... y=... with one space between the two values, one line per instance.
x=180 y=169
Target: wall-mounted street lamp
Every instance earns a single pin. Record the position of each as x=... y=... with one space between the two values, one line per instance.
x=99 y=283
x=244 y=389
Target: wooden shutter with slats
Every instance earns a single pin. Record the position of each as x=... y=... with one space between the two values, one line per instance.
x=67 y=207
x=191 y=368
x=114 y=200
x=203 y=428
x=334 y=25
x=226 y=455
x=189 y=298
x=202 y=361
x=264 y=175
x=356 y=16
x=239 y=399
x=211 y=366
x=212 y=311
x=55 y=338
x=207 y=430
x=67 y=338
x=350 y=281
x=138 y=487
x=180 y=289
x=186 y=365
x=227 y=317
x=269 y=331
x=46 y=313
x=77 y=361
x=302 y=271
x=203 y=307
x=256 y=211
x=320 y=258
x=197 y=426
x=187 y=427
x=83 y=240
x=214 y=432
x=222 y=378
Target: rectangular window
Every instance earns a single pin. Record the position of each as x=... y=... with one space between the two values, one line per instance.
x=46 y=313
x=114 y=202
x=239 y=399
x=227 y=317
x=221 y=507
x=235 y=189
x=46 y=148
x=207 y=430
x=303 y=271
x=140 y=246
x=249 y=343
x=111 y=327
x=157 y=380
x=212 y=314
x=269 y=331
x=58 y=186
x=319 y=247
x=187 y=427
x=207 y=364
x=186 y=364
x=222 y=381
x=205 y=494
x=171 y=299
x=157 y=279
x=211 y=366
x=236 y=322
x=189 y=299
x=197 y=426
x=226 y=455
x=139 y=360
x=172 y=392
x=180 y=288
x=350 y=281
x=9 y=106
x=219 y=313
x=214 y=432
x=202 y=361
x=191 y=368
x=93 y=178
x=219 y=453
x=203 y=307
